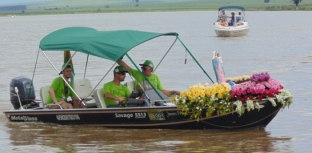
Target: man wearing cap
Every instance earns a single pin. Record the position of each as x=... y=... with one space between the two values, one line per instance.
x=59 y=91
x=147 y=69
x=114 y=92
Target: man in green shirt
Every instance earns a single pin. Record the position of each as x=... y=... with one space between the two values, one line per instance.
x=59 y=91
x=114 y=92
x=147 y=70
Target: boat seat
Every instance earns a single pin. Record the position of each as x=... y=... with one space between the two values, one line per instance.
x=44 y=94
x=83 y=87
x=130 y=85
x=99 y=98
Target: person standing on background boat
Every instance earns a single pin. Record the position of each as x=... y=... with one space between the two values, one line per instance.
x=60 y=92
x=147 y=70
x=114 y=92
x=231 y=23
x=223 y=16
x=217 y=67
x=239 y=17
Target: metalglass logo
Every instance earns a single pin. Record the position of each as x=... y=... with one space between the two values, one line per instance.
x=23 y=118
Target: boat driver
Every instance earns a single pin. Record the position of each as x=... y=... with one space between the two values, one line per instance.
x=147 y=69
x=114 y=92
x=60 y=92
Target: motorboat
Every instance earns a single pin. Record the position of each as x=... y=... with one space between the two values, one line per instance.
x=151 y=109
x=237 y=29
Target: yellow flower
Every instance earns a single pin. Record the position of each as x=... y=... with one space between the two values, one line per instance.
x=202 y=94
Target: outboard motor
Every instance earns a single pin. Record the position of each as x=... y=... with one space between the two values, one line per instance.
x=26 y=92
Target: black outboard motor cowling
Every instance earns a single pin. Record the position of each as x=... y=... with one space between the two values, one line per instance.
x=26 y=91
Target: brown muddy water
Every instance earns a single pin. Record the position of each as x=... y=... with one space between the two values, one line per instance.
x=278 y=43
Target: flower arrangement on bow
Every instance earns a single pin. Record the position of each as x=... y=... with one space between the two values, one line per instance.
x=220 y=99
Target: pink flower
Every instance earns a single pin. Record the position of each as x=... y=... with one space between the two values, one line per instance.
x=260 y=85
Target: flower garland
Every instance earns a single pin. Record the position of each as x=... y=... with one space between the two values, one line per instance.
x=220 y=99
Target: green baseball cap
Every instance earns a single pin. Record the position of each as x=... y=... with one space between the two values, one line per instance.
x=119 y=69
x=67 y=66
x=148 y=63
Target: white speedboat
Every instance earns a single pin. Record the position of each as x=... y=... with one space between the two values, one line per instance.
x=239 y=28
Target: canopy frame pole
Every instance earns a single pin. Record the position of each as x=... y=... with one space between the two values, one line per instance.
x=102 y=79
x=35 y=65
x=84 y=75
x=63 y=77
x=165 y=54
x=33 y=76
x=194 y=59
x=145 y=78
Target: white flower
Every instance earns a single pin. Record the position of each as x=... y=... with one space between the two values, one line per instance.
x=258 y=106
x=250 y=105
x=272 y=101
x=240 y=109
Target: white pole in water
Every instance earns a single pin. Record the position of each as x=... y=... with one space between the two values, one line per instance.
x=19 y=100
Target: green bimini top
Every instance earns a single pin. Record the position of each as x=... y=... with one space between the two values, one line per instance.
x=111 y=45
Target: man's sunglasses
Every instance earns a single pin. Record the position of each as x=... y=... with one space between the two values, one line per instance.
x=144 y=68
x=122 y=73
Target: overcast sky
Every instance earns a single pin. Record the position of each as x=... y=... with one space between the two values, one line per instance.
x=8 y=2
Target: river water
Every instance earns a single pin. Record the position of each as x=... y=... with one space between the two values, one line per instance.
x=278 y=43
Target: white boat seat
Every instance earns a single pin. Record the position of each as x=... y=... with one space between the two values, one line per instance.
x=44 y=94
x=83 y=87
x=99 y=98
x=130 y=85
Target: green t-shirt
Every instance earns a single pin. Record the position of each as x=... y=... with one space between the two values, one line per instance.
x=154 y=79
x=58 y=85
x=115 y=90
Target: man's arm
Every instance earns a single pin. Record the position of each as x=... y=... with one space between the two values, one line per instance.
x=77 y=104
x=52 y=94
x=109 y=96
x=123 y=64
x=170 y=92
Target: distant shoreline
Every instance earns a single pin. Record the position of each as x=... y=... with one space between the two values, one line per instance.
x=60 y=11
